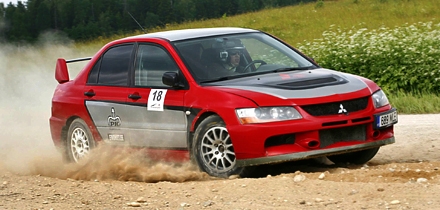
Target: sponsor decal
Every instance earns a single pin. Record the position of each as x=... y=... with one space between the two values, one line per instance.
x=113 y=119
x=284 y=76
x=156 y=99
x=116 y=137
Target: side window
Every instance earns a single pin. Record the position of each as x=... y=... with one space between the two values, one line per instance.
x=151 y=63
x=114 y=67
x=93 y=75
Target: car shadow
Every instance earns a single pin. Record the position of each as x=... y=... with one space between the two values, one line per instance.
x=304 y=166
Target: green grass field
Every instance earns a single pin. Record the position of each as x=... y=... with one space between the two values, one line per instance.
x=306 y=22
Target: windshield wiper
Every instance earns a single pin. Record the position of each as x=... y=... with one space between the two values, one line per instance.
x=258 y=73
x=293 y=69
x=218 y=79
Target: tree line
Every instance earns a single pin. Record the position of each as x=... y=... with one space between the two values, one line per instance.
x=88 y=19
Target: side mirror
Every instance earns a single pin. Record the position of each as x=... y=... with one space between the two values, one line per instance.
x=172 y=79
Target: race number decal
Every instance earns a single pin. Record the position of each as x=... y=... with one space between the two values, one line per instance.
x=156 y=99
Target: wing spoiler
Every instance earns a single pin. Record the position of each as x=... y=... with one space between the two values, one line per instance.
x=61 y=71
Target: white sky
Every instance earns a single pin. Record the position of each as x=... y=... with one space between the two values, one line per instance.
x=6 y=2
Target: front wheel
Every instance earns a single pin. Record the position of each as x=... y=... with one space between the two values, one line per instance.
x=358 y=158
x=212 y=149
x=79 y=140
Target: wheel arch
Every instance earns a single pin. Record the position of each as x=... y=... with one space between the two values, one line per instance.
x=219 y=158
x=196 y=124
x=64 y=133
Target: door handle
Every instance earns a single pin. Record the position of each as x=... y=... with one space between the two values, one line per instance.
x=134 y=96
x=89 y=93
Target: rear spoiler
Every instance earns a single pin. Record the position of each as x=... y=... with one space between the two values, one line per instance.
x=61 y=71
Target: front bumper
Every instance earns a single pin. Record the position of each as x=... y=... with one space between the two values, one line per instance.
x=313 y=153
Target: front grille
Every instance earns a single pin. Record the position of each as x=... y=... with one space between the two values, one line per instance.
x=360 y=119
x=334 y=123
x=335 y=107
x=353 y=133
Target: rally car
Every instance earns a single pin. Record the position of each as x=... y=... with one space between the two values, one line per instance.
x=226 y=99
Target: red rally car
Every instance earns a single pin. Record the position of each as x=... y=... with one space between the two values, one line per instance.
x=225 y=98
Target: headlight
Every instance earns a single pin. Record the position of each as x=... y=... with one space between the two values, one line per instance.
x=379 y=99
x=267 y=114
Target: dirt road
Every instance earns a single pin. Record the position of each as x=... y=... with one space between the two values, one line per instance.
x=404 y=175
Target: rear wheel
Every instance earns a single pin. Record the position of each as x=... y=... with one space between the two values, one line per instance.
x=359 y=157
x=79 y=140
x=212 y=149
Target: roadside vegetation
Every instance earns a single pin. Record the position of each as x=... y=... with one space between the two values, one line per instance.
x=395 y=43
x=404 y=61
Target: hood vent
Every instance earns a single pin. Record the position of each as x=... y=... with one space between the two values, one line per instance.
x=314 y=82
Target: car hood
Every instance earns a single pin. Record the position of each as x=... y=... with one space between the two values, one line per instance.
x=303 y=84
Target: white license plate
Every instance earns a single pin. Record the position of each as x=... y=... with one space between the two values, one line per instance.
x=387 y=119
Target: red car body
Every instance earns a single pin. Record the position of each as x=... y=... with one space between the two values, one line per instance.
x=125 y=108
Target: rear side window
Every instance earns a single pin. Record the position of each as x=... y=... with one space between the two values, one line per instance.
x=113 y=67
x=151 y=63
x=93 y=75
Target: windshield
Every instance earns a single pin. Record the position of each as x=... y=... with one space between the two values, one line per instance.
x=223 y=57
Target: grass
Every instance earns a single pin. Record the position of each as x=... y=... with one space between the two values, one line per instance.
x=307 y=22
x=294 y=24
x=415 y=103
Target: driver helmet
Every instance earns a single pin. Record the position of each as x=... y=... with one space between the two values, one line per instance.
x=228 y=47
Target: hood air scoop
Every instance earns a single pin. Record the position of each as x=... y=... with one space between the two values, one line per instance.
x=311 y=82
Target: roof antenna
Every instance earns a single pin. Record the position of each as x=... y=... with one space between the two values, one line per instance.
x=136 y=22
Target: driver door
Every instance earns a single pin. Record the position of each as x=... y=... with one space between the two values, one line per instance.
x=157 y=118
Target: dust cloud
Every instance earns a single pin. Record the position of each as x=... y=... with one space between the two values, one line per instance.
x=26 y=85
x=110 y=163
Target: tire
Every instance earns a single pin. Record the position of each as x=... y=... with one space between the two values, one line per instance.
x=358 y=158
x=79 y=141
x=212 y=149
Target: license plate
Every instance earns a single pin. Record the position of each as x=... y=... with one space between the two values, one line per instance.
x=387 y=119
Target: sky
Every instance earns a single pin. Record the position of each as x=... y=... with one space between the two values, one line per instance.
x=6 y=2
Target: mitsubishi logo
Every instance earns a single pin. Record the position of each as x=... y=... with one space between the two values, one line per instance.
x=342 y=110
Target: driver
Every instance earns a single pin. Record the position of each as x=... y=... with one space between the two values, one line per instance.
x=231 y=54
x=223 y=58
x=233 y=61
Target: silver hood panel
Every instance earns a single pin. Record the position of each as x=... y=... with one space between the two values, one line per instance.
x=299 y=84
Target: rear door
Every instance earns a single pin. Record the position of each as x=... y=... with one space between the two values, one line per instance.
x=106 y=93
x=157 y=118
